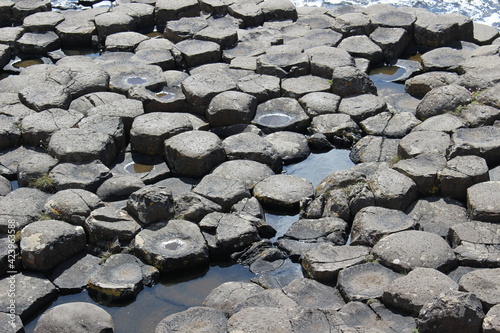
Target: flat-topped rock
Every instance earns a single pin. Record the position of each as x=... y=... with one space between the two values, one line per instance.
x=411 y=292
x=23 y=205
x=195 y=320
x=484 y=284
x=480 y=141
x=362 y=106
x=392 y=189
x=87 y=175
x=226 y=296
x=281 y=114
x=45 y=96
x=407 y=250
x=72 y=275
x=418 y=86
x=248 y=171
x=423 y=170
x=442 y=99
x=223 y=191
x=179 y=245
x=283 y=61
x=491 y=322
x=325 y=261
x=252 y=147
x=419 y=142
x=473 y=242
x=483 y=201
x=442 y=59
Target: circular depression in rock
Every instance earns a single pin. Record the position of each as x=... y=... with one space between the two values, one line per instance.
x=133 y=167
x=173 y=245
x=136 y=80
x=274 y=119
x=387 y=73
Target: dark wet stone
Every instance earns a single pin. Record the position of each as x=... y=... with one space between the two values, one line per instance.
x=484 y=284
x=482 y=141
x=392 y=41
x=45 y=96
x=248 y=171
x=300 y=86
x=119 y=278
x=483 y=202
x=79 y=317
x=474 y=243
x=461 y=173
x=108 y=224
x=33 y=293
x=87 y=176
x=227 y=233
x=442 y=99
x=325 y=261
x=491 y=322
x=419 y=142
x=281 y=114
x=283 y=61
x=196 y=320
x=226 y=296
x=363 y=47
x=411 y=292
x=312 y=294
x=72 y=275
x=79 y=145
x=365 y=281
x=179 y=245
x=151 y=204
x=418 y=86
x=252 y=147
x=407 y=250
x=374 y=149
x=23 y=205
x=194 y=153
x=437 y=215
x=231 y=107
x=223 y=191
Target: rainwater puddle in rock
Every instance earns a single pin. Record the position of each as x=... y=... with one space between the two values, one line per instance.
x=14 y=184
x=383 y=78
x=165 y=95
x=27 y=63
x=85 y=51
x=274 y=119
x=138 y=168
x=173 y=294
x=136 y=80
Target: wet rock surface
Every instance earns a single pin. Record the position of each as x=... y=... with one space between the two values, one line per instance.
x=230 y=94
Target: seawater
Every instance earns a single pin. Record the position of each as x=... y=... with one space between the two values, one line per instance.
x=484 y=11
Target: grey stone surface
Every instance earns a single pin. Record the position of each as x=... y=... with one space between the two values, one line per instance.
x=444 y=122
x=119 y=187
x=193 y=207
x=33 y=293
x=312 y=294
x=362 y=106
x=45 y=96
x=72 y=275
x=108 y=225
x=461 y=173
x=483 y=202
x=407 y=250
x=437 y=214
x=442 y=99
x=110 y=125
x=250 y=146
x=78 y=317
x=474 y=243
x=484 y=284
x=283 y=191
x=316 y=103
x=442 y=59
x=23 y=205
x=390 y=125
x=418 y=86
x=248 y=171
x=389 y=195
x=113 y=22
x=451 y=27
x=374 y=149
x=87 y=176
x=339 y=129
x=227 y=233
x=423 y=169
x=325 y=261
x=365 y=281
x=418 y=142
x=151 y=204
x=167 y=10
x=480 y=115
x=119 y=278
x=231 y=107
x=185 y=28
x=150 y=130
x=393 y=41
x=194 y=153
x=199 y=52
x=283 y=61
x=11 y=323
x=373 y=223
x=411 y=292
x=72 y=205
x=263 y=87
x=281 y=114
x=491 y=322
x=302 y=85
x=324 y=60
x=38 y=42
x=363 y=47
x=226 y=296
x=179 y=245
x=196 y=320
x=223 y=191
x=261 y=319
x=482 y=141
x=349 y=81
